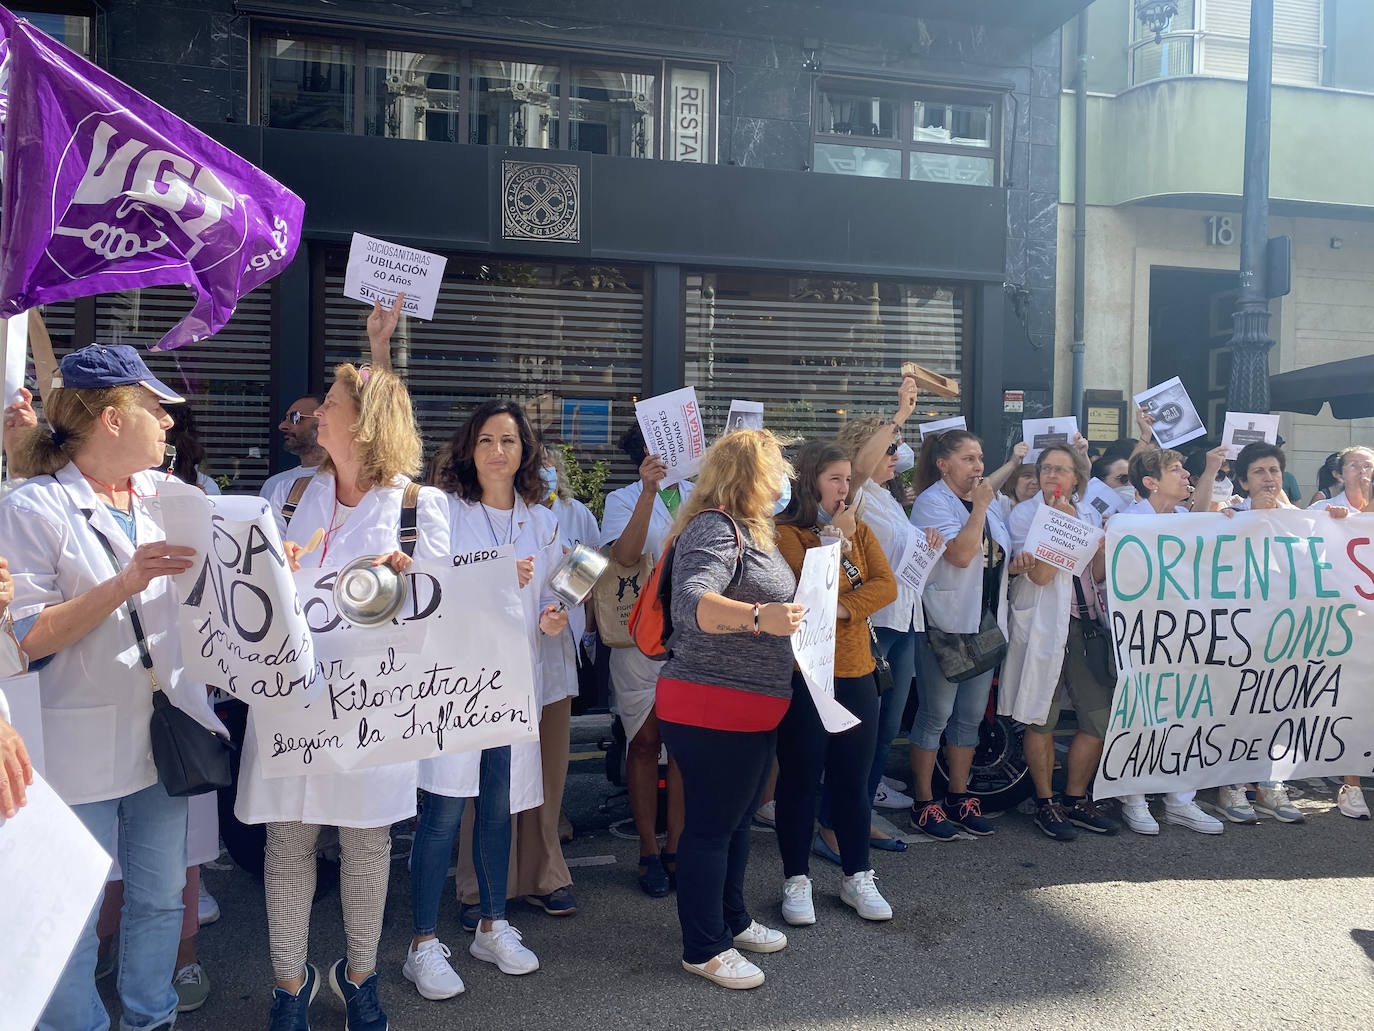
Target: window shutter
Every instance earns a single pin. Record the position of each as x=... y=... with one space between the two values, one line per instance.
x=1297 y=40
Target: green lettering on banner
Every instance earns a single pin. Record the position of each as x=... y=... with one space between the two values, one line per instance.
x=1259 y=569
x=1288 y=543
x=1269 y=654
x=1164 y=566
x=1116 y=556
x=1317 y=566
x=1339 y=618
x=1218 y=568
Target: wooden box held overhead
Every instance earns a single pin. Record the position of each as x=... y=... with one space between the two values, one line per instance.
x=932 y=381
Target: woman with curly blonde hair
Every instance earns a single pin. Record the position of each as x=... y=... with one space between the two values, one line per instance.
x=723 y=691
x=355 y=500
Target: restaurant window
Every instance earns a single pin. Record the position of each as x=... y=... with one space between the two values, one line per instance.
x=412 y=95
x=307 y=83
x=565 y=340
x=817 y=351
x=515 y=103
x=614 y=112
x=906 y=133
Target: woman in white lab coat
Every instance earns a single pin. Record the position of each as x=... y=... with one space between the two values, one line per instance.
x=367 y=428
x=494 y=476
x=85 y=553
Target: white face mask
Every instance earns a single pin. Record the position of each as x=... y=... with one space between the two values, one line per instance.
x=1126 y=493
x=906 y=458
x=1222 y=488
x=781 y=503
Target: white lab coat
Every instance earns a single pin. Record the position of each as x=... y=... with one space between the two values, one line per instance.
x=534 y=532
x=273 y=483
x=1340 y=499
x=620 y=505
x=96 y=695
x=953 y=596
x=377 y=796
x=885 y=517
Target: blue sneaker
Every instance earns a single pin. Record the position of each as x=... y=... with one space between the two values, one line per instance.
x=292 y=1012
x=364 y=1009
x=559 y=902
x=469 y=916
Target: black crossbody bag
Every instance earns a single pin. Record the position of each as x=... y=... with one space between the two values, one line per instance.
x=964 y=656
x=1097 y=647
x=190 y=759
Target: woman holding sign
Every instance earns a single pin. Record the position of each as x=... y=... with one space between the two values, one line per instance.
x=91 y=575
x=353 y=506
x=494 y=477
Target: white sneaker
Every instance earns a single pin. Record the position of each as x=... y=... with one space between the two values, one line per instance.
x=757 y=938
x=797 y=909
x=1137 y=817
x=207 y=909
x=1193 y=818
x=729 y=970
x=890 y=798
x=766 y=814
x=1274 y=802
x=501 y=945
x=427 y=968
x=1350 y=801
x=894 y=783
x=1234 y=804
x=861 y=893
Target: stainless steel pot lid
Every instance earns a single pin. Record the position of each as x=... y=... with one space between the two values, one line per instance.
x=368 y=595
x=573 y=578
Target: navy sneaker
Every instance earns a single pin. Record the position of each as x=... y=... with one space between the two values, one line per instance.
x=930 y=819
x=1050 y=818
x=292 y=1012
x=469 y=916
x=559 y=902
x=1082 y=813
x=966 y=812
x=364 y=1008
x=654 y=880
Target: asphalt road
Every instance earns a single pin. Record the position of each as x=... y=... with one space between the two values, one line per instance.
x=1270 y=926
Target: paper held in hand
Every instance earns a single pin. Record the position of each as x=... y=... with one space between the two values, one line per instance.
x=1042 y=433
x=814 y=642
x=672 y=429
x=378 y=271
x=917 y=561
x=1243 y=428
x=1102 y=499
x=744 y=415
x=940 y=425
x=1175 y=416
x=1062 y=540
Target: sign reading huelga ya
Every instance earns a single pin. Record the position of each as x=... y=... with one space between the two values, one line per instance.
x=1245 y=649
x=672 y=429
x=451 y=673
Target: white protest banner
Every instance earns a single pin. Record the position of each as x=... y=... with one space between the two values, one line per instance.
x=671 y=424
x=452 y=673
x=26 y=715
x=16 y=344
x=1243 y=428
x=1042 y=433
x=378 y=271
x=814 y=642
x=1245 y=648
x=917 y=561
x=744 y=415
x=54 y=873
x=242 y=628
x=1175 y=417
x=1102 y=498
x=940 y=425
x=1061 y=539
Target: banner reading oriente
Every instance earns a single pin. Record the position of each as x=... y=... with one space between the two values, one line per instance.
x=1245 y=648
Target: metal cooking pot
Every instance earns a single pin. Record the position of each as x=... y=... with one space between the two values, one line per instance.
x=574 y=577
x=368 y=595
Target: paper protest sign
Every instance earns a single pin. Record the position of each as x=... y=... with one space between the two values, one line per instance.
x=16 y=344
x=1042 y=433
x=1243 y=656
x=241 y=625
x=672 y=429
x=1243 y=428
x=1175 y=418
x=452 y=673
x=1062 y=540
x=378 y=271
x=917 y=561
x=1102 y=498
x=54 y=873
x=814 y=642
x=940 y=425
x=744 y=415
x=26 y=715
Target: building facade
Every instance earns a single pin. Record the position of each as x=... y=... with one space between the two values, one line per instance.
x=1165 y=138
x=773 y=201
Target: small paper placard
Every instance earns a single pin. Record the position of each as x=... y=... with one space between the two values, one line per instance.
x=940 y=425
x=1175 y=416
x=917 y=561
x=1042 y=433
x=1102 y=498
x=672 y=429
x=744 y=415
x=378 y=271
x=1243 y=428
x=1062 y=540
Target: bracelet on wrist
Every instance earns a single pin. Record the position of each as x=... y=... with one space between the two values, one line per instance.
x=756 y=619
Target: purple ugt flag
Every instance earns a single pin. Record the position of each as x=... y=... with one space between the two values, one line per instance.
x=105 y=190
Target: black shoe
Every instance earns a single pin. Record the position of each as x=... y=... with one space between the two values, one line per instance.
x=1050 y=818
x=967 y=812
x=654 y=880
x=1086 y=815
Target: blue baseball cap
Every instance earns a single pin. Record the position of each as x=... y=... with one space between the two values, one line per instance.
x=112 y=365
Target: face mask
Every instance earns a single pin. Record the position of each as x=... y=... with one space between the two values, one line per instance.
x=1126 y=493
x=781 y=503
x=906 y=458
x=1222 y=489
x=550 y=477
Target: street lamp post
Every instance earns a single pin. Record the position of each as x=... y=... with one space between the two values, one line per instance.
x=1250 y=343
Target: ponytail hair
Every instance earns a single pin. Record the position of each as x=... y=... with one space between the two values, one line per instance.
x=942 y=445
x=71 y=414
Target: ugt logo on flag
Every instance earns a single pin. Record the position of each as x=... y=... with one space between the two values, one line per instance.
x=105 y=190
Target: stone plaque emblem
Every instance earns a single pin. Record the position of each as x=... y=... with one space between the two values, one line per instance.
x=541 y=201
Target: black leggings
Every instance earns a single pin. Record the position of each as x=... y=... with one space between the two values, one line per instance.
x=805 y=751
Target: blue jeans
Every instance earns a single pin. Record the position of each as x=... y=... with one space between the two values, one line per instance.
x=440 y=819
x=152 y=855
x=954 y=711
